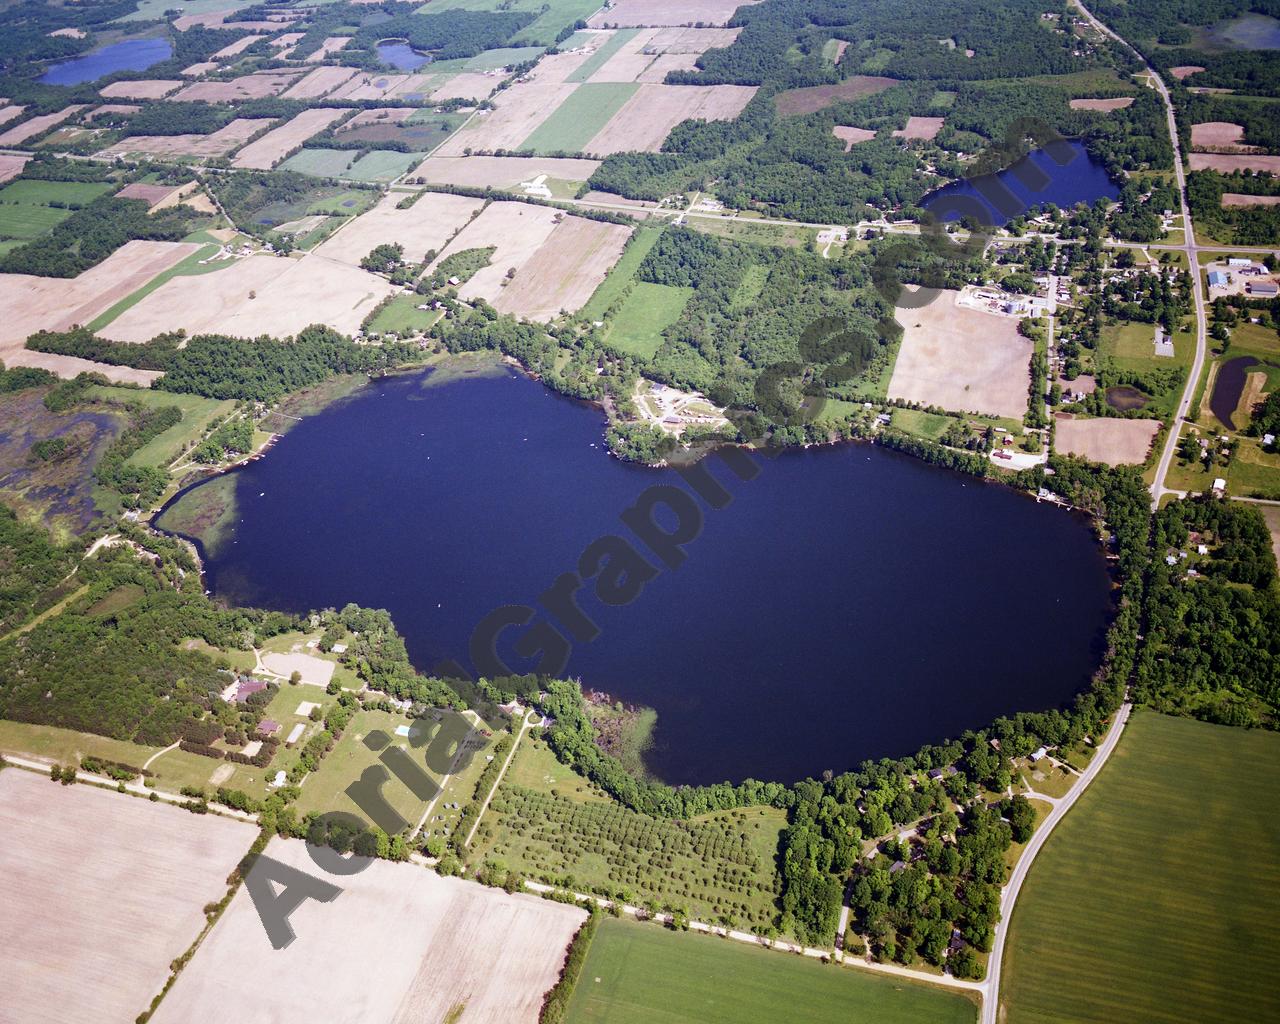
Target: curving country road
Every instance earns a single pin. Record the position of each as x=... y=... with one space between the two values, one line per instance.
x=1009 y=895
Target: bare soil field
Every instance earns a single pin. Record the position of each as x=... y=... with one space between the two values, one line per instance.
x=501 y=171
x=467 y=85
x=207 y=20
x=559 y=66
x=1112 y=103
x=319 y=82
x=1109 y=440
x=515 y=230
x=111 y=108
x=266 y=152
x=399 y=945
x=153 y=194
x=238 y=47
x=19 y=134
x=246 y=87
x=643 y=13
x=11 y=165
x=517 y=112
x=143 y=89
x=379 y=115
x=331 y=45
x=851 y=136
x=196 y=70
x=564 y=271
x=692 y=40
x=653 y=52
x=646 y=119
x=962 y=360
x=258 y=295
x=1237 y=199
x=816 y=97
x=1214 y=135
x=223 y=141
x=920 y=128
x=1185 y=71
x=287 y=39
x=427 y=224
x=8 y=113
x=101 y=892
x=317 y=671
x=29 y=304
x=1229 y=163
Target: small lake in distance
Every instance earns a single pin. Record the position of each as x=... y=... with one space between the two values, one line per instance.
x=401 y=56
x=848 y=603
x=1073 y=177
x=129 y=55
x=1248 y=32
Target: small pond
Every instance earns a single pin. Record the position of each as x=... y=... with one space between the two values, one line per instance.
x=401 y=56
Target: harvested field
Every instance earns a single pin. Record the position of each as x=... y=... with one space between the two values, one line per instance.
x=1233 y=162
x=153 y=194
x=427 y=224
x=236 y=48
x=7 y=114
x=19 y=134
x=517 y=113
x=258 y=295
x=818 y=97
x=143 y=89
x=1185 y=71
x=564 y=271
x=1216 y=133
x=515 y=230
x=29 y=304
x=924 y=128
x=962 y=360
x=366 y=86
x=331 y=45
x=246 y=87
x=468 y=85
x=645 y=120
x=1109 y=440
x=692 y=40
x=287 y=39
x=266 y=152
x=196 y=70
x=643 y=13
x=11 y=165
x=1237 y=199
x=318 y=83
x=380 y=115
x=207 y=19
x=1112 y=103
x=427 y=945
x=104 y=889
x=219 y=143
x=317 y=671
x=501 y=171
x=851 y=136
x=111 y=108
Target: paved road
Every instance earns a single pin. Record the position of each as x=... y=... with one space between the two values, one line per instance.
x=1009 y=895
x=1190 y=248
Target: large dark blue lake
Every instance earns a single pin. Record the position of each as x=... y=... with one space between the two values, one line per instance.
x=1064 y=175
x=401 y=56
x=129 y=55
x=847 y=603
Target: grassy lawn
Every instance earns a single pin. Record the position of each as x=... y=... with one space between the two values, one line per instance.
x=744 y=230
x=648 y=311
x=644 y=973
x=492 y=60
x=325 y=789
x=197 y=414
x=576 y=121
x=403 y=317
x=930 y=425
x=25 y=212
x=1156 y=898
x=66 y=745
x=382 y=165
x=321 y=163
x=535 y=766
x=644 y=239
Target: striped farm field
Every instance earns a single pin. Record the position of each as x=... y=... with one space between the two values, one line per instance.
x=580 y=117
x=1157 y=898
x=644 y=974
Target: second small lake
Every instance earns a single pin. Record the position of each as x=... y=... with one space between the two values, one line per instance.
x=1064 y=175
x=129 y=55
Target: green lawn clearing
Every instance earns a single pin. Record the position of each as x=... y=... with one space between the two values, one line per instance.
x=1156 y=898
x=644 y=974
x=648 y=311
x=623 y=272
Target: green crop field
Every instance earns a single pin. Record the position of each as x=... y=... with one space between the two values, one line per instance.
x=320 y=163
x=644 y=239
x=382 y=165
x=402 y=316
x=641 y=974
x=542 y=31
x=1157 y=898
x=492 y=60
x=576 y=121
x=25 y=212
x=648 y=311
